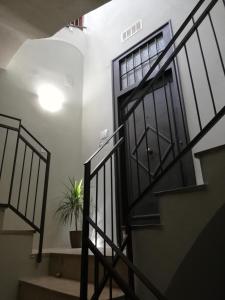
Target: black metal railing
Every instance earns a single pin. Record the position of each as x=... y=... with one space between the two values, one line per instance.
x=102 y=233
x=24 y=174
x=181 y=58
x=106 y=185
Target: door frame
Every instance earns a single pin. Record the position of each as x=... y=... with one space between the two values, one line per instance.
x=118 y=95
x=115 y=98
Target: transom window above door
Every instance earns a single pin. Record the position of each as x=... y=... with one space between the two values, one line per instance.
x=135 y=65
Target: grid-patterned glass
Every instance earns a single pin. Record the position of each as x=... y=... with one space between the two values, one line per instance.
x=135 y=65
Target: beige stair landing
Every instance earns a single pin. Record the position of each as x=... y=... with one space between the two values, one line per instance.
x=49 y=288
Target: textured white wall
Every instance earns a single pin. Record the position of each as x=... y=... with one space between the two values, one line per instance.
x=104 y=27
x=60 y=64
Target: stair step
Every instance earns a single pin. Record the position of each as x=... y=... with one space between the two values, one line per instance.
x=17 y=232
x=1 y=217
x=147 y=226
x=3 y=205
x=209 y=151
x=49 y=287
x=66 y=263
x=185 y=189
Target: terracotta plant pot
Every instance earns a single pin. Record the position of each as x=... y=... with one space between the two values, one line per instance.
x=76 y=239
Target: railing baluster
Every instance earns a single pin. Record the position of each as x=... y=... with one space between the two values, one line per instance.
x=112 y=220
x=146 y=140
x=217 y=43
x=136 y=154
x=168 y=115
x=104 y=210
x=118 y=196
x=193 y=87
x=180 y=100
x=96 y=208
x=3 y=154
x=36 y=190
x=112 y=201
x=14 y=165
x=129 y=162
x=44 y=203
x=205 y=67
x=127 y=74
x=157 y=129
x=85 y=233
x=28 y=189
x=21 y=176
x=176 y=133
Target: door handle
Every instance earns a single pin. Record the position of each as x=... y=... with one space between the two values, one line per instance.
x=149 y=151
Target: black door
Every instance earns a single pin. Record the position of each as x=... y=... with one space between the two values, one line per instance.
x=156 y=131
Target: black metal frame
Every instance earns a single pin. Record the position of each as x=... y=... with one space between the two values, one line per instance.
x=186 y=166
x=114 y=156
x=23 y=136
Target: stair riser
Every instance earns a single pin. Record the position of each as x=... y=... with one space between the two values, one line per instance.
x=213 y=168
x=68 y=266
x=184 y=216
x=28 y=292
x=1 y=218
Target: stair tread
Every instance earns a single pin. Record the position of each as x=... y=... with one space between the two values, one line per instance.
x=67 y=286
x=147 y=227
x=3 y=205
x=68 y=251
x=210 y=150
x=16 y=232
x=186 y=189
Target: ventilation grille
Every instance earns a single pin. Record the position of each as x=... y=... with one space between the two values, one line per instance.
x=133 y=29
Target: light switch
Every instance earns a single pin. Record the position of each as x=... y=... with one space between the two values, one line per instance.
x=104 y=134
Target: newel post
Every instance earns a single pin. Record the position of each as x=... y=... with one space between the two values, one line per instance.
x=85 y=233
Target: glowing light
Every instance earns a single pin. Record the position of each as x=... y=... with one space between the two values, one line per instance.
x=50 y=97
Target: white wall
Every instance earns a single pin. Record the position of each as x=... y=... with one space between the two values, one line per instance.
x=104 y=27
x=60 y=64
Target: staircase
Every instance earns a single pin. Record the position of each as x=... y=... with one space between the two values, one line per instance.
x=187 y=249
x=63 y=279
x=16 y=259
x=155 y=257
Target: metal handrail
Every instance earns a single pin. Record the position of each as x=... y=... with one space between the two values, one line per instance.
x=10 y=117
x=46 y=160
x=104 y=144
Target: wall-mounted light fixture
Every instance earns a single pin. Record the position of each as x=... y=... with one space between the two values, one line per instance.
x=50 y=97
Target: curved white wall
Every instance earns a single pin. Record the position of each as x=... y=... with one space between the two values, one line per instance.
x=60 y=64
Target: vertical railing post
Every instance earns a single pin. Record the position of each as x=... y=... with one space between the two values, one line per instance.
x=85 y=233
x=14 y=164
x=43 y=211
x=125 y=196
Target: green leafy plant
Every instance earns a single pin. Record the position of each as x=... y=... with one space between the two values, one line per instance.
x=71 y=207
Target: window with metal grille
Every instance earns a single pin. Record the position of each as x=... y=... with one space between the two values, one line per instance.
x=135 y=65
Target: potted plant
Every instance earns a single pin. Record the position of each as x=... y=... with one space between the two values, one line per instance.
x=70 y=210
